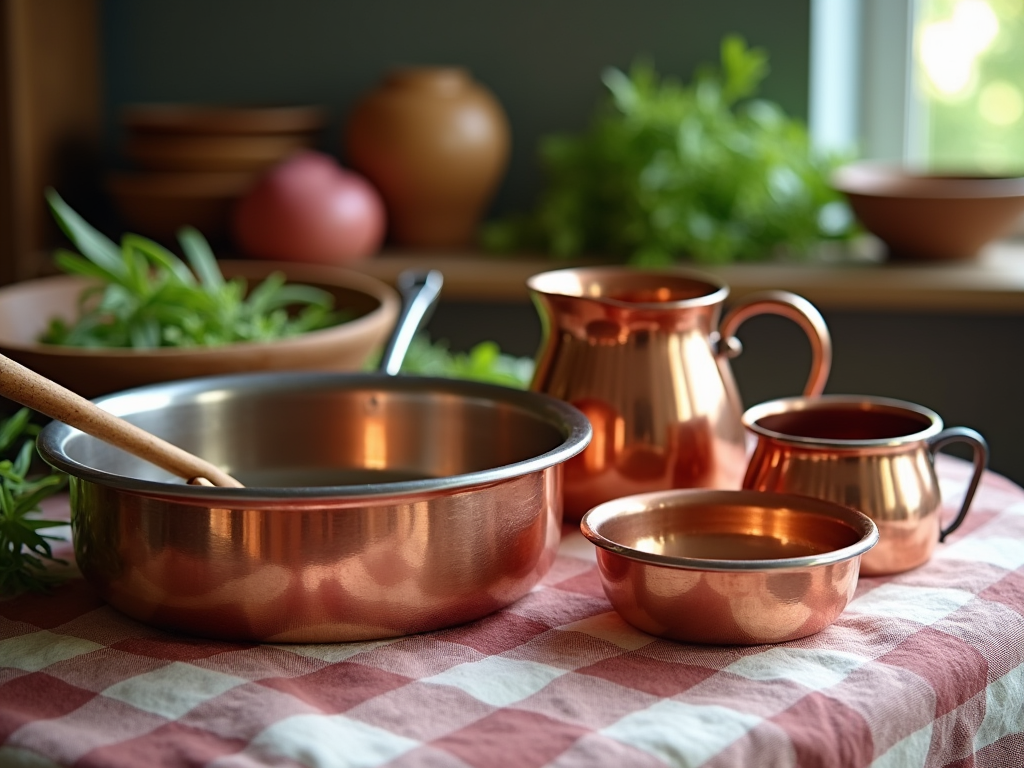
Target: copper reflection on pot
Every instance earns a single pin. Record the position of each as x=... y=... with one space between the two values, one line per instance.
x=728 y=567
x=320 y=572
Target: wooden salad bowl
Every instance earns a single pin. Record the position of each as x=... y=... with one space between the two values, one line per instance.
x=27 y=308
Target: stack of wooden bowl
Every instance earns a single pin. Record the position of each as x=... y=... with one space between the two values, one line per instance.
x=191 y=163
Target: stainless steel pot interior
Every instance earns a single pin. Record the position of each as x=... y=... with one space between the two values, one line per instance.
x=314 y=435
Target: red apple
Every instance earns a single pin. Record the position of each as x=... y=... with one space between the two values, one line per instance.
x=309 y=208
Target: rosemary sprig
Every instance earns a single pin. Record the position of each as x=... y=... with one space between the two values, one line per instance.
x=23 y=549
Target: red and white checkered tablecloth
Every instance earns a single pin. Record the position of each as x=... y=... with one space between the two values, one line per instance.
x=923 y=669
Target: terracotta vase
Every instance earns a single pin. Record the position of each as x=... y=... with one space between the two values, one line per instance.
x=435 y=143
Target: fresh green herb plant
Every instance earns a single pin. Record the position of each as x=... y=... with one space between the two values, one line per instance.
x=146 y=297
x=669 y=171
x=23 y=548
x=484 y=362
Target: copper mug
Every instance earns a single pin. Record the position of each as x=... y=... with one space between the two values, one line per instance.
x=870 y=453
x=643 y=355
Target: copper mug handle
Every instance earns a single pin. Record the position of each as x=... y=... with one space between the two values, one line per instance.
x=977 y=442
x=788 y=305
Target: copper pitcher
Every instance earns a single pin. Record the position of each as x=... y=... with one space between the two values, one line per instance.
x=870 y=453
x=643 y=355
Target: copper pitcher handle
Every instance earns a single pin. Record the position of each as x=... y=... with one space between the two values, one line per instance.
x=977 y=442
x=796 y=308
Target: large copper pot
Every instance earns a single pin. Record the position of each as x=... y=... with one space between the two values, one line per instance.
x=375 y=505
x=643 y=355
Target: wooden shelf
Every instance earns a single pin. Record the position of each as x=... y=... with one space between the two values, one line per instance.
x=991 y=284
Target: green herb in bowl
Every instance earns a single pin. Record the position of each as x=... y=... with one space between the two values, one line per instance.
x=147 y=298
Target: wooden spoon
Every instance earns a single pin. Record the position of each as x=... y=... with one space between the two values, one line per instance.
x=27 y=387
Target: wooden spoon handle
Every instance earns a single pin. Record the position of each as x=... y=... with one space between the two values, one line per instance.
x=27 y=387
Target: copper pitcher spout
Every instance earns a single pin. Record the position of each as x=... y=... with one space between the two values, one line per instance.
x=644 y=356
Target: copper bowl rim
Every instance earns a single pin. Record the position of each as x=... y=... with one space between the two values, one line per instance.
x=640 y=503
x=755 y=413
x=717 y=293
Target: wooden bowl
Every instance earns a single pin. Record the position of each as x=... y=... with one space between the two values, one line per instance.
x=218 y=119
x=26 y=310
x=931 y=216
x=159 y=204
x=213 y=152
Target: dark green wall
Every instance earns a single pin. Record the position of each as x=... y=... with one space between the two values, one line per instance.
x=542 y=58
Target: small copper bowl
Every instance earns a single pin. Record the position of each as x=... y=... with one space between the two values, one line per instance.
x=728 y=567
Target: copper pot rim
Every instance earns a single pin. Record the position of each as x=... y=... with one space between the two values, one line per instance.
x=755 y=413
x=593 y=521
x=718 y=290
x=574 y=426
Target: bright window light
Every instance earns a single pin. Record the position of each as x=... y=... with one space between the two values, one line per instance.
x=949 y=49
x=1001 y=103
x=969 y=60
x=935 y=84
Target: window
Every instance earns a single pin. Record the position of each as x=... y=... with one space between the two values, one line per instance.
x=969 y=70
x=933 y=83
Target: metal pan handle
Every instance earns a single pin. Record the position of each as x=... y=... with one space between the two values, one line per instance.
x=788 y=305
x=977 y=442
x=420 y=291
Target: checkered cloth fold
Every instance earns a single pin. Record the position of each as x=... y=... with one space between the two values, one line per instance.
x=922 y=669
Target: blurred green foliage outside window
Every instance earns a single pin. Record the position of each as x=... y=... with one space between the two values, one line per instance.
x=969 y=68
